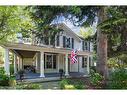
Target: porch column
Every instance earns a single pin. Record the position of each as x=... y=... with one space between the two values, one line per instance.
x=58 y=62
x=6 y=64
x=66 y=65
x=42 y=64
x=36 y=61
x=88 y=65
x=15 y=63
x=18 y=61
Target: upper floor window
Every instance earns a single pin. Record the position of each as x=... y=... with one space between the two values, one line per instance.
x=68 y=42
x=85 y=45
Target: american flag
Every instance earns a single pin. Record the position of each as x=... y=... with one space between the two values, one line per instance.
x=73 y=56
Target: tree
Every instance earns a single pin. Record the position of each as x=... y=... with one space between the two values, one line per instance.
x=109 y=19
x=13 y=19
x=87 y=32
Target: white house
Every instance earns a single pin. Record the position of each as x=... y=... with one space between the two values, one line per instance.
x=49 y=59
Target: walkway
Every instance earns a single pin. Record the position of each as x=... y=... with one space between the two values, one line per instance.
x=53 y=85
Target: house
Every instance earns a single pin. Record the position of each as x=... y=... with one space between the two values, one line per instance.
x=47 y=58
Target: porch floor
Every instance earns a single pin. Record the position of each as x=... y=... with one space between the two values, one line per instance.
x=49 y=75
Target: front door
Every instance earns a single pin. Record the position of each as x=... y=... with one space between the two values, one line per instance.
x=50 y=62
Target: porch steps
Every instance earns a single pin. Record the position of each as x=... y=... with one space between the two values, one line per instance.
x=46 y=79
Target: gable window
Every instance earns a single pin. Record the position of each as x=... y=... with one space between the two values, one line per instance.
x=84 y=62
x=68 y=42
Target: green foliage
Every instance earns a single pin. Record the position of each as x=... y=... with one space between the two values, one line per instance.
x=72 y=84
x=12 y=69
x=95 y=78
x=29 y=86
x=86 y=32
x=118 y=61
x=4 y=79
x=118 y=79
x=13 y=19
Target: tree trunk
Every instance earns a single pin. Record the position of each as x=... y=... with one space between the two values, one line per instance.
x=102 y=45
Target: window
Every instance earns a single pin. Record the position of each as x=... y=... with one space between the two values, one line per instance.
x=85 y=45
x=54 y=61
x=68 y=42
x=72 y=42
x=50 y=61
x=84 y=62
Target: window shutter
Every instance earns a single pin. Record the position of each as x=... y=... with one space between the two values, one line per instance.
x=72 y=39
x=86 y=45
x=58 y=42
x=69 y=43
x=83 y=48
x=83 y=63
x=64 y=41
x=89 y=46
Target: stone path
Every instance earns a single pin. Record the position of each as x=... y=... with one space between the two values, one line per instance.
x=50 y=85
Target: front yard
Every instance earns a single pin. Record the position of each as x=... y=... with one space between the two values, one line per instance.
x=117 y=80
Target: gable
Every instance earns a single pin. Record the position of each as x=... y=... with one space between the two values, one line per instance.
x=69 y=32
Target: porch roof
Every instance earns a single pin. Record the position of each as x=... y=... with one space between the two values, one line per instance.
x=28 y=47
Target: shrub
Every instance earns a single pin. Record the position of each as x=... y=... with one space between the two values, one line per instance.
x=72 y=84
x=95 y=78
x=69 y=87
x=118 y=79
x=63 y=83
x=12 y=81
x=4 y=79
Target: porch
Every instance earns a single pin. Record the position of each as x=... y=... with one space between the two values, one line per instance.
x=44 y=63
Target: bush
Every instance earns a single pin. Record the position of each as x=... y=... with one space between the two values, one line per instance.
x=69 y=87
x=29 y=86
x=95 y=78
x=4 y=79
x=72 y=84
x=63 y=83
x=12 y=81
x=118 y=79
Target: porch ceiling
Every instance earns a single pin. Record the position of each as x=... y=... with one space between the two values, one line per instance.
x=26 y=54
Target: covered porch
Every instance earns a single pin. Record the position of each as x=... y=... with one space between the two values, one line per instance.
x=22 y=51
